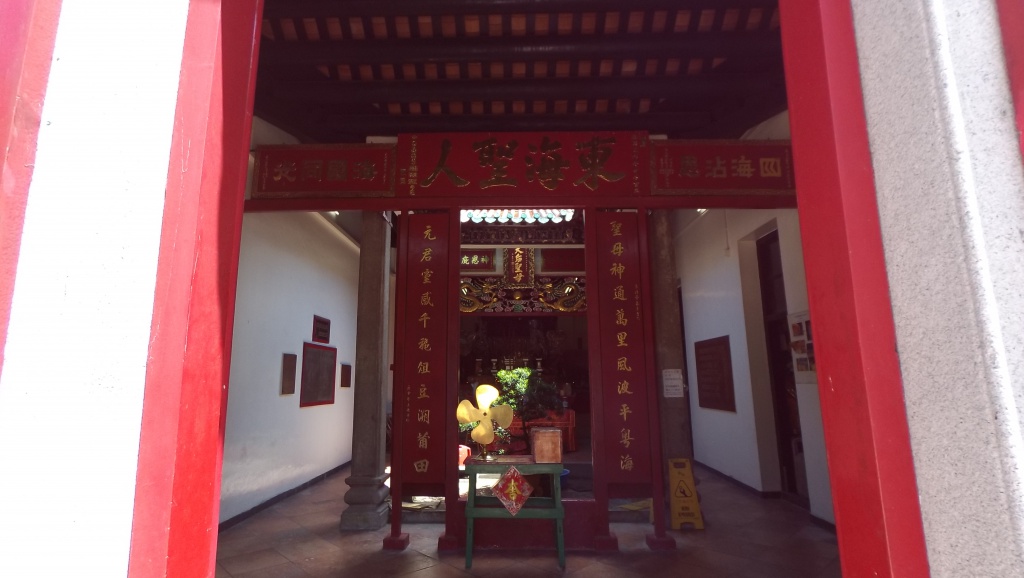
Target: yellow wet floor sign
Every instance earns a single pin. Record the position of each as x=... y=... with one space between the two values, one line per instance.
x=683 y=500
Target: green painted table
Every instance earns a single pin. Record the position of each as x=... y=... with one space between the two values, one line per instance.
x=535 y=507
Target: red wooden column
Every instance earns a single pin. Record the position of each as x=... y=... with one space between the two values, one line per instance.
x=27 y=34
x=1011 y=21
x=866 y=433
x=174 y=531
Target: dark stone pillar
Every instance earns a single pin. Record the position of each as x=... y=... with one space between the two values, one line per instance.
x=366 y=496
x=676 y=433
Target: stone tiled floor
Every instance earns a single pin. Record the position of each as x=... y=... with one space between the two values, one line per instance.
x=745 y=536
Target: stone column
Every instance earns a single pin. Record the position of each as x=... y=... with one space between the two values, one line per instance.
x=676 y=435
x=367 y=509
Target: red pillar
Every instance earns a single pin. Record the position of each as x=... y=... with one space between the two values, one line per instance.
x=178 y=485
x=866 y=433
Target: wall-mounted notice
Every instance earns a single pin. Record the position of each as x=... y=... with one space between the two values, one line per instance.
x=801 y=346
x=318 y=371
x=288 y=364
x=672 y=383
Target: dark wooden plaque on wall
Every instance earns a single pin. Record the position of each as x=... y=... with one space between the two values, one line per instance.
x=346 y=375
x=318 y=370
x=288 y=363
x=714 y=374
x=321 y=329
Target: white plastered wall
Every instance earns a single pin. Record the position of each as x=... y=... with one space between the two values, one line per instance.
x=75 y=360
x=292 y=266
x=950 y=188
x=711 y=253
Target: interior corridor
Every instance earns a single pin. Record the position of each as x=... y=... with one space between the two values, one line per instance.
x=744 y=536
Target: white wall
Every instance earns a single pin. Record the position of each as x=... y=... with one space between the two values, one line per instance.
x=708 y=261
x=75 y=361
x=292 y=266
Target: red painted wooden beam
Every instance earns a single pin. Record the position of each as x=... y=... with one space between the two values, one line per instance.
x=866 y=433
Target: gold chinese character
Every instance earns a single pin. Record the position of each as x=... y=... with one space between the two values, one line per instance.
x=688 y=166
x=312 y=170
x=426 y=301
x=495 y=157
x=624 y=411
x=742 y=167
x=337 y=170
x=618 y=269
x=423 y=438
x=617 y=249
x=622 y=364
x=423 y=367
x=715 y=168
x=423 y=392
x=423 y=319
x=428 y=233
x=771 y=167
x=285 y=171
x=465 y=259
x=424 y=344
x=616 y=229
x=513 y=491
x=624 y=388
x=547 y=168
x=427 y=273
x=621 y=337
x=619 y=293
x=365 y=171
x=483 y=259
x=421 y=466
x=620 y=317
x=476 y=259
x=595 y=154
x=427 y=255
x=626 y=462
x=442 y=167
x=625 y=438
x=423 y=415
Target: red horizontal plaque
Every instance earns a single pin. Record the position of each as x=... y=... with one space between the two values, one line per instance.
x=561 y=261
x=317 y=171
x=721 y=167
x=559 y=163
x=478 y=261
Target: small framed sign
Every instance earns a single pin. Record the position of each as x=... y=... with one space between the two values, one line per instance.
x=321 y=329
x=319 y=364
x=346 y=375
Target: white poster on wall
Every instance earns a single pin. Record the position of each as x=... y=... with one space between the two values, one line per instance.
x=801 y=346
x=672 y=383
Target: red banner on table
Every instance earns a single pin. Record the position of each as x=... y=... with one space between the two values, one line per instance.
x=557 y=163
x=711 y=167
x=425 y=347
x=622 y=350
x=362 y=170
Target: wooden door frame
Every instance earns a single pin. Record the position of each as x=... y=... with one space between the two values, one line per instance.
x=867 y=439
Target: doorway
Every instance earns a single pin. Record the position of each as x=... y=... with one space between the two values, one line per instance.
x=780 y=370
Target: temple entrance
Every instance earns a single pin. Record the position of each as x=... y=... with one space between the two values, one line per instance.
x=523 y=328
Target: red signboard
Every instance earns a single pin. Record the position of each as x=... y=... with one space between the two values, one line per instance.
x=425 y=367
x=622 y=350
x=721 y=167
x=478 y=261
x=362 y=170
x=561 y=261
x=613 y=163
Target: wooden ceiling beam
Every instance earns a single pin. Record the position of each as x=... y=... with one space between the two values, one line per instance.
x=369 y=8
x=393 y=124
x=571 y=89
x=487 y=49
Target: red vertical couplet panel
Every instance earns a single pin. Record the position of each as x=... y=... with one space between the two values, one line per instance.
x=623 y=353
x=865 y=421
x=424 y=371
